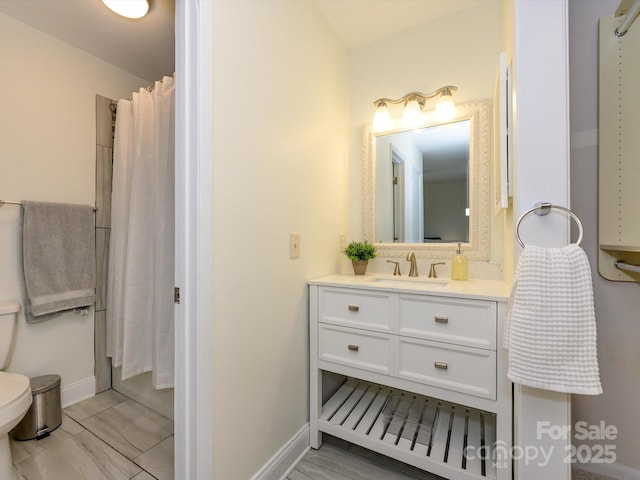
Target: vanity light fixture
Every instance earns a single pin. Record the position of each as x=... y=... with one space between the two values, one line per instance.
x=413 y=104
x=445 y=108
x=129 y=8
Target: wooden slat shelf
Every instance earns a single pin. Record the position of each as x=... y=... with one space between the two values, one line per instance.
x=428 y=433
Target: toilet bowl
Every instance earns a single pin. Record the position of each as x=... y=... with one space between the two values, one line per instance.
x=15 y=389
x=15 y=400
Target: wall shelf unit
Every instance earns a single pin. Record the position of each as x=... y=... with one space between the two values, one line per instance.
x=619 y=144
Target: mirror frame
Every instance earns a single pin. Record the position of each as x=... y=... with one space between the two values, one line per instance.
x=477 y=248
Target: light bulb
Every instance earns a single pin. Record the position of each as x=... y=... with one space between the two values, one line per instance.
x=129 y=8
x=381 y=119
x=445 y=108
x=412 y=115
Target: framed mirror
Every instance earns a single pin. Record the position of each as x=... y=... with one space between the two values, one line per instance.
x=427 y=188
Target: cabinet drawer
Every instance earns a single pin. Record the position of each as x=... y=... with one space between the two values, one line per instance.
x=462 y=369
x=369 y=310
x=355 y=348
x=458 y=321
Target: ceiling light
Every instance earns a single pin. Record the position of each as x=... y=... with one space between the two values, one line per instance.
x=129 y=8
x=414 y=102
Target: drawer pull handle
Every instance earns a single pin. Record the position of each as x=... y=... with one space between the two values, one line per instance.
x=441 y=365
x=440 y=319
x=353 y=348
x=354 y=308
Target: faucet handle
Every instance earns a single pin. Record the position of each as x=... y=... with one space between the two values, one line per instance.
x=432 y=269
x=396 y=269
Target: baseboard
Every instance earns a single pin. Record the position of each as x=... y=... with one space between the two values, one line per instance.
x=611 y=470
x=279 y=466
x=77 y=391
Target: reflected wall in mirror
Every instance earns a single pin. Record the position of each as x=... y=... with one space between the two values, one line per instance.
x=427 y=188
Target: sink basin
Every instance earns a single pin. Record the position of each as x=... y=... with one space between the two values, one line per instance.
x=411 y=281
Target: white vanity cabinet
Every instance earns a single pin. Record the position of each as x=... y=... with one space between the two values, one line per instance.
x=425 y=374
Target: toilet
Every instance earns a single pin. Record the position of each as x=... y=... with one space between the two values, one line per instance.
x=15 y=389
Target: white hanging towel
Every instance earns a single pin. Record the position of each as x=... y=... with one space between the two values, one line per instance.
x=550 y=329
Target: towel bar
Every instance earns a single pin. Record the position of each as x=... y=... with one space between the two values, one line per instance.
x=630 y=267
x=16 y=202
x=543 y=209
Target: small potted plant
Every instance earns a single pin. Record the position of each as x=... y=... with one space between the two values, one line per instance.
x=360 y=253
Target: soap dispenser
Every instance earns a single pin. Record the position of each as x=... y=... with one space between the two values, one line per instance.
x=459 y=266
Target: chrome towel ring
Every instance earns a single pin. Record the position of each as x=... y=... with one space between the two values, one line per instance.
x=543 y=209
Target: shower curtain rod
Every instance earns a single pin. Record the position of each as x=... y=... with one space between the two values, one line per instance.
x=632 y=11
x=149 y=88
x=16 y=202
x=114 y=104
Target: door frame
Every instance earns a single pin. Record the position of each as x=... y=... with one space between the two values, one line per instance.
x=193 y=397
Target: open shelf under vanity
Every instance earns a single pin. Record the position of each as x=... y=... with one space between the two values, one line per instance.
x=425 y=432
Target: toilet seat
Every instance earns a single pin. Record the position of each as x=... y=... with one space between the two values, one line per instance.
x=15 y=395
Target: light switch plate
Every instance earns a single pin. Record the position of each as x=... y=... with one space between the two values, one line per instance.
x=294 y=245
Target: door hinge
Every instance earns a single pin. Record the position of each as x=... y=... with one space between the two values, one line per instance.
x=395 y=180
x=176 y=295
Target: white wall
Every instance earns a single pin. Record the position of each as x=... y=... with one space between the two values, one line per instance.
x=460 y=49
x=280 y=165
x=47 y=133
x=617 y=304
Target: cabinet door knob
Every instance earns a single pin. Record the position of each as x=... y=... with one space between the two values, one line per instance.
x=353 y=348
x=441 y=365
x=354 y=308
x=441 y=319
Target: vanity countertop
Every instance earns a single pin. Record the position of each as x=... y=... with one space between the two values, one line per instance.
x=477 y=288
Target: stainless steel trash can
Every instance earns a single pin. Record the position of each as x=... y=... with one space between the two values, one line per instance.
x=45 y=414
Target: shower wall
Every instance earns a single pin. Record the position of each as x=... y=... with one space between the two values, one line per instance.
x=138 y=388
x=104 y=156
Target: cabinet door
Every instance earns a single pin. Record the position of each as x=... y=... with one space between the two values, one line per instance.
x=451 y=320
x=462 y=369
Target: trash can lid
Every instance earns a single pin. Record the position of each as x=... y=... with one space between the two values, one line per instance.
x=44 y=383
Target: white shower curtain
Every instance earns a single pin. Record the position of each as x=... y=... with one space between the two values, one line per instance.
x=140 y=326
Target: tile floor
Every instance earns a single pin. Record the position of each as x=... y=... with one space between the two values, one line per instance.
x=340 y=460
x=110 y=437
x=106 y=437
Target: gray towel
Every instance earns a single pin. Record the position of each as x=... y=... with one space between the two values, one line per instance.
x=58 y=248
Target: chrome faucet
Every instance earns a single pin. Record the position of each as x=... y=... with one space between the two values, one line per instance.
x=432 y=270
x=413 y=270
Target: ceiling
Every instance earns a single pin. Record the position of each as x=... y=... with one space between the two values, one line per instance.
x=361 y=22
x=145 y=47
x=444 y=149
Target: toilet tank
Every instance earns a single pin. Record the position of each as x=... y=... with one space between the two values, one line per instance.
x=8 y=321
